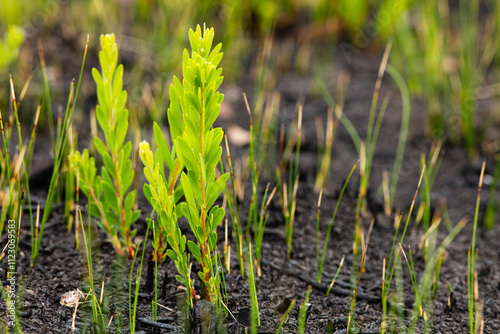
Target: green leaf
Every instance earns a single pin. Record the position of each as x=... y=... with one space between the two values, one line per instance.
x=193 y=248
x=126 y=150
x=193 y=218
x=212 y=240
x=126 y=176
x=127 y=180
x=215 y=57
x=195 y=187
x=174 y=113
x=180 y=279
x=203 y=173
x=215 y=189
x=188 y=193
x=213 y=159
x=102 y=118
x=121 y=129
x=135 y=216
x=132 y=233
x=113 y=220
x=105 y=176
x=213 y=111
x=108 y=163
x=186 y=154
x=163 y=148
x=178 y=192
x=110 y=200
x=121 y=102
x=171 y=254
x=192 y=128
x=97 y=186
x=94 y=210
x=99 y=83
x=199 y=233
x=163 y=217
x=128 y=203
x=216 y=216
x=182 y=210
x=146 y=189
x=117 y=81
x=201 y=275
x=99 y=145
x=193 y=100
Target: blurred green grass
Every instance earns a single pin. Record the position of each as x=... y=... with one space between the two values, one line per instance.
x=445 y=49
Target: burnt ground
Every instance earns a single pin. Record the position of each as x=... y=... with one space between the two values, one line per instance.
x=62 y=268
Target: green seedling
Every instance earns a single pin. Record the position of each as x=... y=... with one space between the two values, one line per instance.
x=335 y=277
x=374 y=123
x=320 y=262
x=424 y=209
x=425 y=289
x=361 y=270
x=87 y=240
x=396 y=298
x=166 y=227
x=112 y=202
x=259 y=231
x=61 y=144
x=69 y=183
x=388 y=273
x=366 y=148
x=473 y=303
x=195 y=105
x=429 y=237
x=413 y=276
x=254 y=172
x=47 y=99
x=288 y=190
x=132 y=306
x=99 y=303
x=492 y=207
x=284 y=317
x=433 y=164
x=252 y=288
x=303 y=312
x=451 y=304
x=258 y=150
x=425 y=308
x=13 y=173
x=403 y=131
x=232 y=203
x=435 y=280
x=325 y=149
x=326 y=156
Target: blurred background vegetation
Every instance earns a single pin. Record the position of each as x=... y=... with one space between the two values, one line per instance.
x=447 y=50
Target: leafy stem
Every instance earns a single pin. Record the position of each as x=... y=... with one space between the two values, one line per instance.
x=111 y=202
x=193 y=158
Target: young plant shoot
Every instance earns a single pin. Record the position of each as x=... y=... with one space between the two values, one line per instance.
x=108 y=193
x=194 y=106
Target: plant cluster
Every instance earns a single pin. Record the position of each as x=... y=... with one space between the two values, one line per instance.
x=185 y=175
x=194 y=106
x=108 y=193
